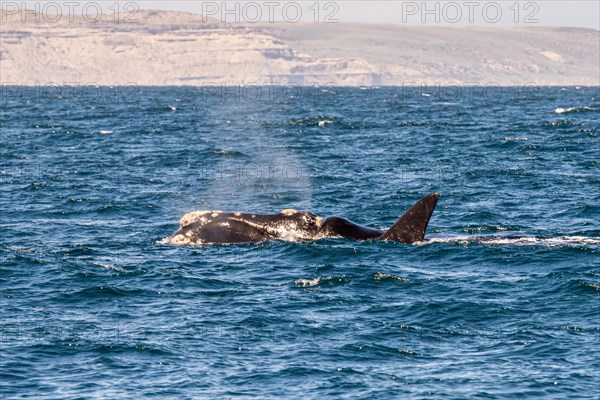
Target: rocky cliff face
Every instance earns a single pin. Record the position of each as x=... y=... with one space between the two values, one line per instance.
x=174 y=48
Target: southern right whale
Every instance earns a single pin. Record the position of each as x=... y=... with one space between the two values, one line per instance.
x=199 y=228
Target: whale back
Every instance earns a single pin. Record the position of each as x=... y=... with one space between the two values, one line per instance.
x=218 y=227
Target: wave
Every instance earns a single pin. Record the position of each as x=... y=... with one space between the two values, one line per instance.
x=319 y=120
x=496 y=240
x=561 y=110
x=381 y=276
x=322 y=281
x=492 y=240
x=589 y=285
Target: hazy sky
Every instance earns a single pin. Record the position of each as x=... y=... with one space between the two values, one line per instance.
x=469 y=12
x=581 y=13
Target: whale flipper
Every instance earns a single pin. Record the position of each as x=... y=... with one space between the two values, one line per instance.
x=410 y=228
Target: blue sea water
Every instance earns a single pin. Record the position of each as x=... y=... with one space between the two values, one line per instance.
x=502 y=301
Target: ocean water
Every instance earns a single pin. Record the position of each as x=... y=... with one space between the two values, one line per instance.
x=501 y=301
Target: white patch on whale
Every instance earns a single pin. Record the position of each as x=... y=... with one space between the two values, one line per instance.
x=197 y=216
x=180 y=240
x=192 y=217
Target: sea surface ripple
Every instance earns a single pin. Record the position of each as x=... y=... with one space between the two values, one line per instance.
x=502 y=301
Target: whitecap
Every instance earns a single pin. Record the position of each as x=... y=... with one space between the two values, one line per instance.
x=308 y=282
x=561 y=110
x=518 y=240
x=381 y=276
x=109 y=266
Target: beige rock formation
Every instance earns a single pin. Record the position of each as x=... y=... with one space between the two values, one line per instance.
x=175 y=48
